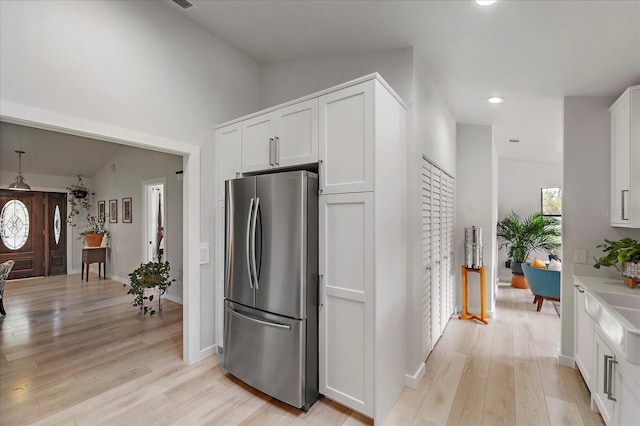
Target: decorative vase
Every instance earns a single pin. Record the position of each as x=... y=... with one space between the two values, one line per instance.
x=93 y=240
x=631 y=273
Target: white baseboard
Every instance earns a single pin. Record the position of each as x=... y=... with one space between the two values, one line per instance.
x=413 y=380
x=119 y=279
x=177 y=300
x=204 y=353
x=74 y=271
x=566 y=361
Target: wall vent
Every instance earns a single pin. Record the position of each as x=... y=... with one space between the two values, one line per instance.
x=185 y=4
x=514 y=140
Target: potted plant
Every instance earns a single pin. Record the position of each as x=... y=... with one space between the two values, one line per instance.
x=94 y=231
x=624 y=255
x=147 y=276
x=523 y=236
x=78 y=196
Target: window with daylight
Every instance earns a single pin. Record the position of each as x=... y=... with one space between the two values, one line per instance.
x=552 y=201
x=14 y=224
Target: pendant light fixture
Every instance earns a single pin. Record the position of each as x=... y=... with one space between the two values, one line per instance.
x=20 y=184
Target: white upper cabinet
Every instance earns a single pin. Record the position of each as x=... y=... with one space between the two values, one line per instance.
x=346 y=139
x=228 y=153
x=257 y=143
x=282 y=138
x=296 y=136
x=625 y=159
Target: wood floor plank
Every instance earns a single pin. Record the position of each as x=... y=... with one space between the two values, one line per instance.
x=73 y=353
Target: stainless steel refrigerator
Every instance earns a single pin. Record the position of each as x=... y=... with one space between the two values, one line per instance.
x=271 y=284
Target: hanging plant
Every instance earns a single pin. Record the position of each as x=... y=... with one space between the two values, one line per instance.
x=78 y=200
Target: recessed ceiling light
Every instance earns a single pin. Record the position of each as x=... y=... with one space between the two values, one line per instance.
x=495 y=100
x=486 y=2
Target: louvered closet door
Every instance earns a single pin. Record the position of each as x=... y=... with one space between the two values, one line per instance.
x=450 y=242
x=444 y=251
x=426 y=259
x=436 y=294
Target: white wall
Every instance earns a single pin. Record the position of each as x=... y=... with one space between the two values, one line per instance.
x=284 y=81
x=519 y=184
x=135 y=66
x=476 y=201
x=585 y=222
x=132 y=166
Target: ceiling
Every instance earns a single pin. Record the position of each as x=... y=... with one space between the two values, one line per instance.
x=532 y=53
x=52 y=153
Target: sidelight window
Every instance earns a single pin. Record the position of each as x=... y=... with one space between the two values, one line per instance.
x=14 y=224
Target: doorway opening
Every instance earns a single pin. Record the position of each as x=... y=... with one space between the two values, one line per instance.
x=154 y=216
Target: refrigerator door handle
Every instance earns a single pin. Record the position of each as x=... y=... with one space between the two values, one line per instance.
x=253 y=243
x=247 y=245
x=258 y=321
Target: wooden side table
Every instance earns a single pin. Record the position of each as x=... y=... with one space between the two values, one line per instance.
x=465 y=296
x=94 y=255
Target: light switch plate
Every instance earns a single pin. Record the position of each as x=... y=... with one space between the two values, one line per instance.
x=580 y=256
x=204 y=253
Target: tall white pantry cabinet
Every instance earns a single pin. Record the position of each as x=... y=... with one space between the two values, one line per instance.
x=360 y=141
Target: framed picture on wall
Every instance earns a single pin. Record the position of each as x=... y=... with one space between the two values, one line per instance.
x=102 y=210
x=127 y=214
x=113 y=211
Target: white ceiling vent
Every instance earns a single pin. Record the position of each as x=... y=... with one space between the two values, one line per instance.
x=185 y=4
x=514 y=140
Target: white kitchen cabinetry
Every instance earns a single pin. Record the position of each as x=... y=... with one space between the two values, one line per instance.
x=346 y=139
x=284 y=137
x=362 y=248
x=228 y=153
x=625 y=159
x=219 y=272
x=355 y=132
x=616 y=386
x=583 y=337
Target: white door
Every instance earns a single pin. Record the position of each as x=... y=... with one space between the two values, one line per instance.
x=436 y=264
x=228 y=155
x=346 y=299
x=426 y=260
x=257 y=139
x=346 y=140
x=297 y=134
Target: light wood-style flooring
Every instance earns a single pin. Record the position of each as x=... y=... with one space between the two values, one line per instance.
x=78 y=353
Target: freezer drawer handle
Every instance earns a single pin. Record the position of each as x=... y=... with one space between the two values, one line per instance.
x=268 y=323
x=253 y=244
x=247 y=245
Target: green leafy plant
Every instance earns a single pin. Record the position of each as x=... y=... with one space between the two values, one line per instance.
x=78 y=196
x=95 y=225
x=147 y=276
x=523 y=236
x=618 y=252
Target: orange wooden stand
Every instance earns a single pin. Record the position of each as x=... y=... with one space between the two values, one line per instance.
x=465 y=296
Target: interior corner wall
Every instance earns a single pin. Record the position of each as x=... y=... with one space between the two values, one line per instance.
x=432 y=132
x=586 y=195
x=122 y=176
x=519 y=185
x=124 y=65
x=476 y=198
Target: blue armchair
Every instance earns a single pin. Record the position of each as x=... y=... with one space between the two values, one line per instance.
x=544 y=284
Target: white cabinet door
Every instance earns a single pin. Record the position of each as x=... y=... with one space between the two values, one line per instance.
x=346 y=139
x=297 y=134
x=219 y=272
x=621 y=162
x=257 y=142
x=346 y=296
x=584 y=338
x=627 y=410
x=228 y=153
x=603 y=379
